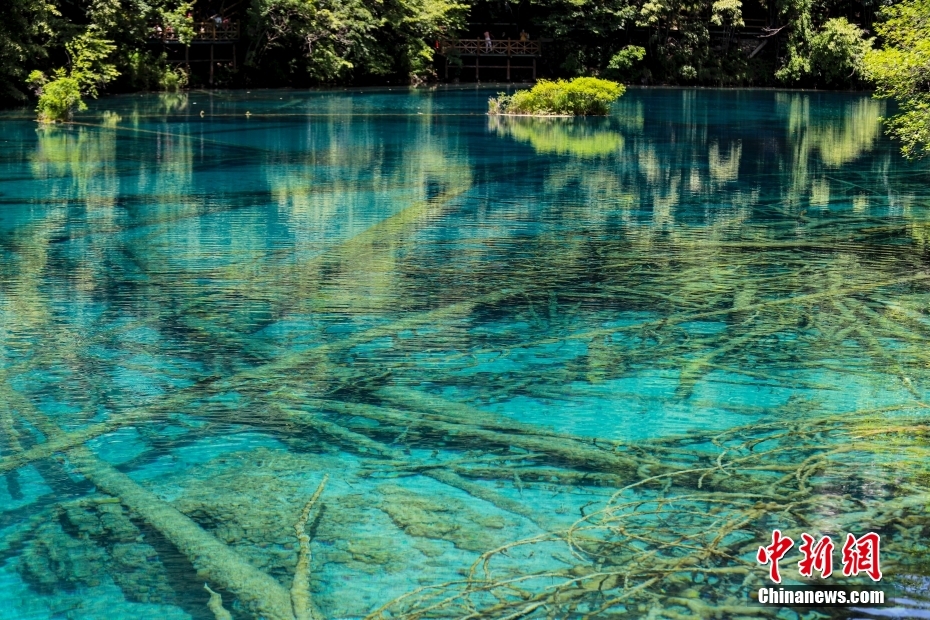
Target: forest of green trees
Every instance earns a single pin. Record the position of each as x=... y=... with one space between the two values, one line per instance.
x=69 y=49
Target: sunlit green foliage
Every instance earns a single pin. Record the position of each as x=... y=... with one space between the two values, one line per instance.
x=797 y=15
x=727 y=12
x=584 y=33
x=901 y=69
x=172 y=80
x=99 y=43
x=833 y=55
x=838 y=51
x=333 y=40
x=623 y=63
x=59 y=97
x=91 y=66
x=148 y=71
x=578 y=97
x=811 y=43
x=90 y=69
x=325 y=32
x=681 y=47
x=808 y=43
x=128 y=24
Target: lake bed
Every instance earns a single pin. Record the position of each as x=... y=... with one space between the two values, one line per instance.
x=564 y=367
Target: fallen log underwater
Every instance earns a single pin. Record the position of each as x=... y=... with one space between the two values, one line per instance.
x=653 y=532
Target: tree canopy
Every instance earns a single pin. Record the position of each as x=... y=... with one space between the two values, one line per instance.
x=109 y=44
x=901 y=69
x=307 y=42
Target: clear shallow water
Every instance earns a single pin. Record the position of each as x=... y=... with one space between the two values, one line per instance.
x=479 y=328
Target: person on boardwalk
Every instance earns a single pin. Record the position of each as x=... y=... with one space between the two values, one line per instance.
x=487 y=41
x=524 y=36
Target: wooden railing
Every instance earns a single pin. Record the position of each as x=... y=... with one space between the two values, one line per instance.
x=483 y=47
x=203 y=31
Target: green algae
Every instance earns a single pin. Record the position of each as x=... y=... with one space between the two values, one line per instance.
x=89 y=540
x=449 y=519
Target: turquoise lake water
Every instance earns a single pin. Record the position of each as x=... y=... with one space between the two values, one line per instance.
x=552 y=368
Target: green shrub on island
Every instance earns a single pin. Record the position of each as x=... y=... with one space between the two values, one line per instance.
x=585 y=96
x=59 y=98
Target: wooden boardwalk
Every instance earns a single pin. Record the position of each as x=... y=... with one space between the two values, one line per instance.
x=204 y=32
x=224 y=35
x=497 y=51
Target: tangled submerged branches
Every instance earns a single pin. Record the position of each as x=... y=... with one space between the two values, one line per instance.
x=786 y=325
x=682 y=543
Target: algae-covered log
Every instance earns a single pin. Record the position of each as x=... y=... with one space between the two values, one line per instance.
x=184 y=398
x=215 y=604
x=301 y=602
x=571 y=452
x=212 y=559
x=441 y=409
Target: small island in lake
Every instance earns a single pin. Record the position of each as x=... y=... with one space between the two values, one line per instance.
x=584 y=96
